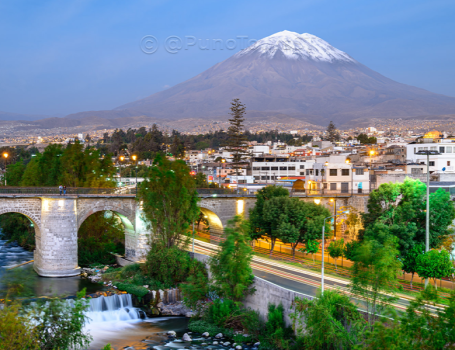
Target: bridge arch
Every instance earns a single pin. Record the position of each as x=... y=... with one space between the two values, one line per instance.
x=216 y=226
x=34 y=219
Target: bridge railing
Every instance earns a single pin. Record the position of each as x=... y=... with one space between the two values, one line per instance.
x=328 y=193
x=215 y=191
x=69 y=190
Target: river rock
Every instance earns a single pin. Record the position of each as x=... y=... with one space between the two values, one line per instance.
x=186 y=337
x=257 y=344
x=176 y=309
x=171 y=334
x=206 y=334
x=238 y=347
x=219 y=335
x=226 y=344
x=215 y=343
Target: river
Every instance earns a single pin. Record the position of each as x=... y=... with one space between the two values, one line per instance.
x=113 y=319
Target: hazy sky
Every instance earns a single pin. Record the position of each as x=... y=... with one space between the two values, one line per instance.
x=60 y=57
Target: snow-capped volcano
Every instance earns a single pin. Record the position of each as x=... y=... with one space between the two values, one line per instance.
x=293 y=45
x=294 y=75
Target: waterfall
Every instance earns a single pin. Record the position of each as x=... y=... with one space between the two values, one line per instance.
x=113 y=308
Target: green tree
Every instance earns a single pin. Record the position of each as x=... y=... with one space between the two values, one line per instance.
x=201 y=180
x=169 y=200
x=230 y=267
x=349 y=250
x=237 y=141
x=330 y=321
x=101 y=234
x=336 y=250
x=332 y=132
x=434 y=264
x=418 y=328
x=259 y=227
x=311 y=247
x=374 y=273
x=401 y=207
x=59 y=324
x=15 y=331
x=14 y=173
x=18 y=228
x=410 y=259
x=32 y=175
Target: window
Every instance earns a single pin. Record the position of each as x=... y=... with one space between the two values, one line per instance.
x=274 y=168
x=265 y=168
x=333 y=186
x=317 y=172
x=325 y=185
x=449 y=149
x=263 y=177
x=308 y=171
x=256 y=168
x=431 y=163
x=302 y=167
x=291 y=168
x=302 y=173
x=442 y=149
x=283 y=168
x=415 y=150
x=448 y=163
x=359 y=171
x=333 y=172
x=345 y=172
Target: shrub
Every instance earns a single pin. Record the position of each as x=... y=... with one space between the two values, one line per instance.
x=276 y=333
x=14 y=331
x=221 y=312
x=201 y=326
x=196 y=288
x=168 y=265
x=138 y=291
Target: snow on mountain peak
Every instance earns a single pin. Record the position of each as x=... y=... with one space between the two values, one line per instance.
x=296 y=46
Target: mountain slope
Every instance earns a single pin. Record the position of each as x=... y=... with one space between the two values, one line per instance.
x=299 y=75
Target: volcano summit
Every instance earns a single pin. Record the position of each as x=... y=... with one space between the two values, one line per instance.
x=295 y=75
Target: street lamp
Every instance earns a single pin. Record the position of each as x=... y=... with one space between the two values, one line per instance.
x=5 y=156
x=427 y=221
x=348 y=161
x=323 y=246
x=134 y=157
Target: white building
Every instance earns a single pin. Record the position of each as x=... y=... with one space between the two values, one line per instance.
x=271 y=168
x=442 y=163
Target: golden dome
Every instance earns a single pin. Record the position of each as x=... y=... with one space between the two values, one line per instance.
x=433 y=135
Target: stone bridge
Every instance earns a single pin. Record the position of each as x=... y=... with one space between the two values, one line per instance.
x=57 y=219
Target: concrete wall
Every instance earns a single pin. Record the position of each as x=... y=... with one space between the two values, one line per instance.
x=266 y=293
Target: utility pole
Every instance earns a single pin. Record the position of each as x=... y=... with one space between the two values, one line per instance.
x=427 y=221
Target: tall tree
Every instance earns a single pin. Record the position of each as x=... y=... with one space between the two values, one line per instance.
x=169 y=200
x=230 y=267
x=336 y=250
x=375 y=271
x=258 y=226
x=401 y=207
x=332 y=132
x=237 y=141
x=410 y=259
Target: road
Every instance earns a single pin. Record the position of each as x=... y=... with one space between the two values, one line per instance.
x=299 y=279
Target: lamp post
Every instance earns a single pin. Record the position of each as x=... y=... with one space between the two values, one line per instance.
x=323 y=246
x=134 y=157
x=427 y=221
x=5 y=156
x=371 y=159
x=348 y=161
x=334 y=201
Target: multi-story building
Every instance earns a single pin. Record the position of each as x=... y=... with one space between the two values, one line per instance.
x=279 y=167
x=335 y=174
x=444 y=162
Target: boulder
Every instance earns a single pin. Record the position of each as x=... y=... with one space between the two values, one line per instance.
x=186 y=337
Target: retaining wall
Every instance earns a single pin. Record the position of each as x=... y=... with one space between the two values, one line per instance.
x=266 y=293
